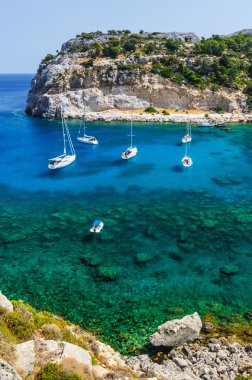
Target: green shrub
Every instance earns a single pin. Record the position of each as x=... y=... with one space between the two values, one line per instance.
x=128 y=67
x=172 y=45
x=241 y=377
x=88 y=36
x=87 y=64
x=151 y=110
x=130 y=44
x=19 y=325
x=53 y=371
x=47 y=58
x=149 y=48
x=111 y=51
x=219 y=109
x=165 y=113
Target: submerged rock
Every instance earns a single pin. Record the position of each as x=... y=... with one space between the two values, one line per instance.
x=107 y=273
x=91 y=260
x=142 y=258
x=177 y=331
x=226 y=180
x=229 y=269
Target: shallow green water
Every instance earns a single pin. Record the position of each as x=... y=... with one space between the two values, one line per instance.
x=196 y=255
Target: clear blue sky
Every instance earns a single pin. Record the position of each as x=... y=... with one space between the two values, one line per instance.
x=29 y=29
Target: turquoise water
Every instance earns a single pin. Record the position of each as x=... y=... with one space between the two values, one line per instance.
x=175 y=240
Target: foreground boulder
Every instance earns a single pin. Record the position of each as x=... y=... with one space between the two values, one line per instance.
x=25 y=357
x=5 y=303
x=177 y=332
x=7 y=372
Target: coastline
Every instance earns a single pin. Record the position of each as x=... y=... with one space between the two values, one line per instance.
x=34 y=344
x=196 y=117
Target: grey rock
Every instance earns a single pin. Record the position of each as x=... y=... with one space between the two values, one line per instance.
x=214 y=347
x=25 y=357
x=182 y=363
x=177 y=332
x=75 y=352
x=5 y=303
x=186 y=351
x=208 y=327
x=222 y=369
x=222 y=354
x=7 y=372
x=51 y=346
x=99 y=372
x=246 y=32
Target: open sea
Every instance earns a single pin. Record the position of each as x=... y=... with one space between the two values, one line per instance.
x=176 y=240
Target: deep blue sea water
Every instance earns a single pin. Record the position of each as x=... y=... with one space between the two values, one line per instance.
x=175 y=239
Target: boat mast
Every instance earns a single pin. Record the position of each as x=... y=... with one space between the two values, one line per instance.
x=131 y=128
x=69 y=139
x=84 y=119
x=63 y=131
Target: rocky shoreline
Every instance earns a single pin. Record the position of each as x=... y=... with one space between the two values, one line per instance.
x=177 y=351
x=177 y=118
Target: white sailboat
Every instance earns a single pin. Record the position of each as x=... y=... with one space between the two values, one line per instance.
x=131 y=151
x=186 y=160
x=85 y=138
x=64 y=159
x=188 y=137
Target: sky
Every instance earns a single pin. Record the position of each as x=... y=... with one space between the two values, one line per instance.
x=29 y=29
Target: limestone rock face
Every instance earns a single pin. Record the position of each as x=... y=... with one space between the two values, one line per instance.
x=25 y=357
x=71 y=351
x=5 y=303
x=7 y=372
x=63 y=84
x=177 y=331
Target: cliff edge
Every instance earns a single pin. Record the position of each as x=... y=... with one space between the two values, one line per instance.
x=120 y=71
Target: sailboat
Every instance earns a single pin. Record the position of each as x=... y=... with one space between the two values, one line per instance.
x=188 y=137
x=85 y=138
x=64 y=159
x=132 y=150
x=186 y=160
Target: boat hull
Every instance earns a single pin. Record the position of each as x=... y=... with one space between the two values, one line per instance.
x=61 y=162
x=129 y=153
x=186 y=139
x=187 y=161
x=87 y=140
x=97 y=229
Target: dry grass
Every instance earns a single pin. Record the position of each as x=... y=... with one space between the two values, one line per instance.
x=71 y=366
x=7 y=352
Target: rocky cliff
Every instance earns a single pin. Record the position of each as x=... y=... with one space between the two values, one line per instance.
x=104 y=72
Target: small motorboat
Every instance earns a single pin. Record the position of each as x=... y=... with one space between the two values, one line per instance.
x=187 y=161
x=97 y=226
x=129 y=152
